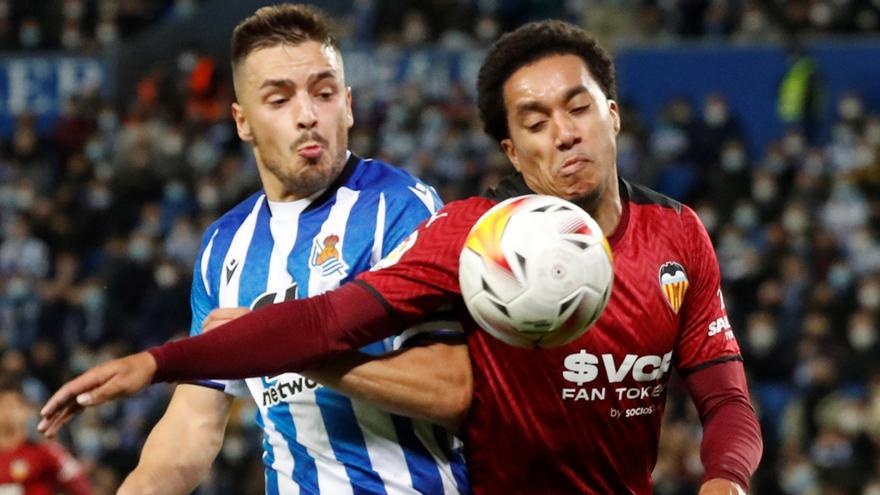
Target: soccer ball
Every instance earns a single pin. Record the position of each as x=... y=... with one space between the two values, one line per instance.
x=536 y=271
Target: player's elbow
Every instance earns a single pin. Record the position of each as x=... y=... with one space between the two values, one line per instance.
x=453 y=399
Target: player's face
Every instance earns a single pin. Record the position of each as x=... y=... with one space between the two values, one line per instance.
x=562 y=129
x=294 y=108
x=16 y=412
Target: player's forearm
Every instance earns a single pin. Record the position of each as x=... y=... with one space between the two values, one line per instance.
x=432 y=382
x=289 y=336
x=732 y=445
x=164 y=470
x=179 y=451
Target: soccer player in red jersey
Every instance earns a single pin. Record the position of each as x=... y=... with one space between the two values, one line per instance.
x=581 y=418
x=27 y=467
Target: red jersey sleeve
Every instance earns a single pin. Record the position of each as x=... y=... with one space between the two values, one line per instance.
x=421 y=274
x=706 y=336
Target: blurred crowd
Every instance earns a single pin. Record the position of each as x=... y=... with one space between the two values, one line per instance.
x=83 y=26
x=457 y=23
x=90 y=25
x=101 y=219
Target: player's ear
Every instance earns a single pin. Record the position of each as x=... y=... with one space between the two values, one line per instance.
x=510 y=150
x=241 y=123
x=614 y=110
x=349 y=115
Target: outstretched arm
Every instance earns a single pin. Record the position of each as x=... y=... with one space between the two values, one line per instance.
x=326 y=326
x=732 y=445
x=431 y=382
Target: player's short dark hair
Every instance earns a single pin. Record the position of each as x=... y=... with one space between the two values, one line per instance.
x=11 y=385
x=287 y=24
x=527 y=44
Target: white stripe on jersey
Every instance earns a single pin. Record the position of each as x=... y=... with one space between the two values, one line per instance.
x=386 y=454
x=284 y=227
x=283 y=464
x=230 y=272
x=379 y=237
x=312 y=433
x=206 y=257
x=335 y=224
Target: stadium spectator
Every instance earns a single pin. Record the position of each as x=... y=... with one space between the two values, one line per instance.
x=29 y=467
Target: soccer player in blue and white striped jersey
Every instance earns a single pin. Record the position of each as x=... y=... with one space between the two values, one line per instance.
x=324 y=215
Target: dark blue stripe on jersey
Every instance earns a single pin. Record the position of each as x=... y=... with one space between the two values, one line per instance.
x=359 y=248
x=255 y=271
x=268 y=459
x=209 y=384
x=347 y=442
x=455 y=458
x=304 y=471
x=422 y=467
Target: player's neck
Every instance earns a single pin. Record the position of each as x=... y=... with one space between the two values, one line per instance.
x=11 y=439
x=607 y=208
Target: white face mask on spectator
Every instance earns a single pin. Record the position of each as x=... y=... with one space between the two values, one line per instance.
x=708 y=217
x=839 y=276
x=764 y=189
x=800 y=478
x=850 y=108
x=745 y=217
x=715 y=114
x=93 y=298
x=795 y=220
x=869 y=296
x=793 y=145
x=862 y=336
x=165 y=276
x=208 y=197
x=761 y=337
x=872 y=133
x=733 y=160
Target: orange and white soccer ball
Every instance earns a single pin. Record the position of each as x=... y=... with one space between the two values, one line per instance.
x=536 y=271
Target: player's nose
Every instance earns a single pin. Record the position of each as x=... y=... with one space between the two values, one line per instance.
x=566 y=135
x=307 y=115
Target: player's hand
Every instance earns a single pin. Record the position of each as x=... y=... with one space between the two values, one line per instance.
x=107 y=381
x=221 y=316
x=718 y=486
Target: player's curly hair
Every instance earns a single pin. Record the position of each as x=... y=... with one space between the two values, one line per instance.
x=527 y=44
x=285 y=24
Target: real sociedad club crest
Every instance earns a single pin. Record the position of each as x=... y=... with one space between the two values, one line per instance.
x=327 y=257
x=673 y=283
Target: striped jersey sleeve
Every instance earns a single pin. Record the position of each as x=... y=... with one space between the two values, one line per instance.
x=204 y=298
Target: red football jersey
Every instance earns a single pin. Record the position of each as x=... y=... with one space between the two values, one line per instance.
x=40 y=469
x=584 y=417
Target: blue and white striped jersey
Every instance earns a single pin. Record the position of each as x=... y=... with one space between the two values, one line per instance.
x=317 y=441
